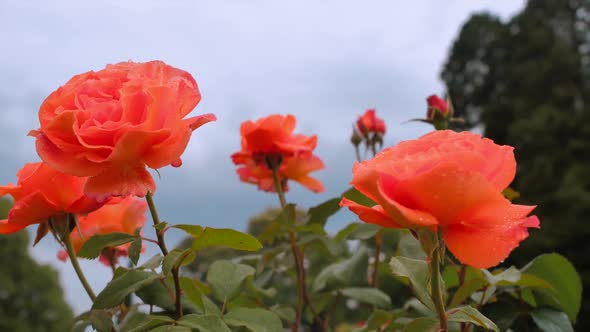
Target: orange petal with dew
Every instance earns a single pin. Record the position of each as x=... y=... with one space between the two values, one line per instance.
x=446 y=192
x=485 y=247
x=124 y=180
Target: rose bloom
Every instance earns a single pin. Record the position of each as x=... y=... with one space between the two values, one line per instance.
x=370 y=123
x=271 y=140
x=110 y=124
x=121 y=215
x=447 y=180
x=436 y=105
x=42 y=193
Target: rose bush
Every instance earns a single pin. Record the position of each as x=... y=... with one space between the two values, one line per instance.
x=110 y=124
x=105 y=128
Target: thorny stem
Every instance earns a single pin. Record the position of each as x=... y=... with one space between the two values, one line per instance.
x=74 y=259
x=298 y=257
x=435 y=282
x=378 y=245
x=162 y=245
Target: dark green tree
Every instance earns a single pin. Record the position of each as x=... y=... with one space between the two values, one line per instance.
x=526 y=82
x=31 y=299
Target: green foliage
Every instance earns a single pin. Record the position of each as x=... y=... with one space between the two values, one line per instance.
x=226 y=278
x=31 y=299
x=94 y=246
x=565 y=286
x=468 y=314
x=255 y=320
x=416 y=273
x=126 y=283
x=551 y=321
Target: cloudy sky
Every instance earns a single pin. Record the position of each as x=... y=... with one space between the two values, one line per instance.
x=323 y=61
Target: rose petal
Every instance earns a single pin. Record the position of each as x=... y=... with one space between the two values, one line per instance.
x=447 y=192
x=485 y=247
x=119 y=181
x=64 y=161
x=32 y=209
x=372 y=215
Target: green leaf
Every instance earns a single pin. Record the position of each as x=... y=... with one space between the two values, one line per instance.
x=117 y=289
x=141 y=322
x=549 y=320
x=92 y=248
x=192 y=230
x=319 y=214
x=311 y=228
x=101 y=320
x=509 y=276
x=152 y=263
x=465 y=290
x=157 y=294
x=287 y=314
x=566 y=286
x=254 y=319
x=416 y=273
x=410 y=247
x=204 y=323
x=357 y=231
x=192 y=292
x=227 y=238
x=226 y=278
x=175 y=258
x=357 y=197
x=343 y=272
x=469 y=314
x=422 y=324
x=135 y=247
x=368 y=295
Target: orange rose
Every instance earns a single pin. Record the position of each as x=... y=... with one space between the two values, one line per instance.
x=272 y=135
x=370 y=123
x=271 y=140
x=123 y=215
x=449 y=180
x=42 y=193
x=110 y=124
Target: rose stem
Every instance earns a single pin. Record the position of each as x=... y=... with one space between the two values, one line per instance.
x=74 y=258
x=162 y=245
x=297 y=255
x=437 y=296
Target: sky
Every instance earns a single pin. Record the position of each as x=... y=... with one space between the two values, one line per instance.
x=325 y=62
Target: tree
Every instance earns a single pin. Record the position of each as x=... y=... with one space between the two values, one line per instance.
x=527 y=83
x=31 y=299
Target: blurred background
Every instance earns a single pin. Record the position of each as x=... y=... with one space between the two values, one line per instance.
x=518 y=71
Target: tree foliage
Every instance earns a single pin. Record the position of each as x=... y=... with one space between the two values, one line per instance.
x=31 y=299
x=527 y=83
